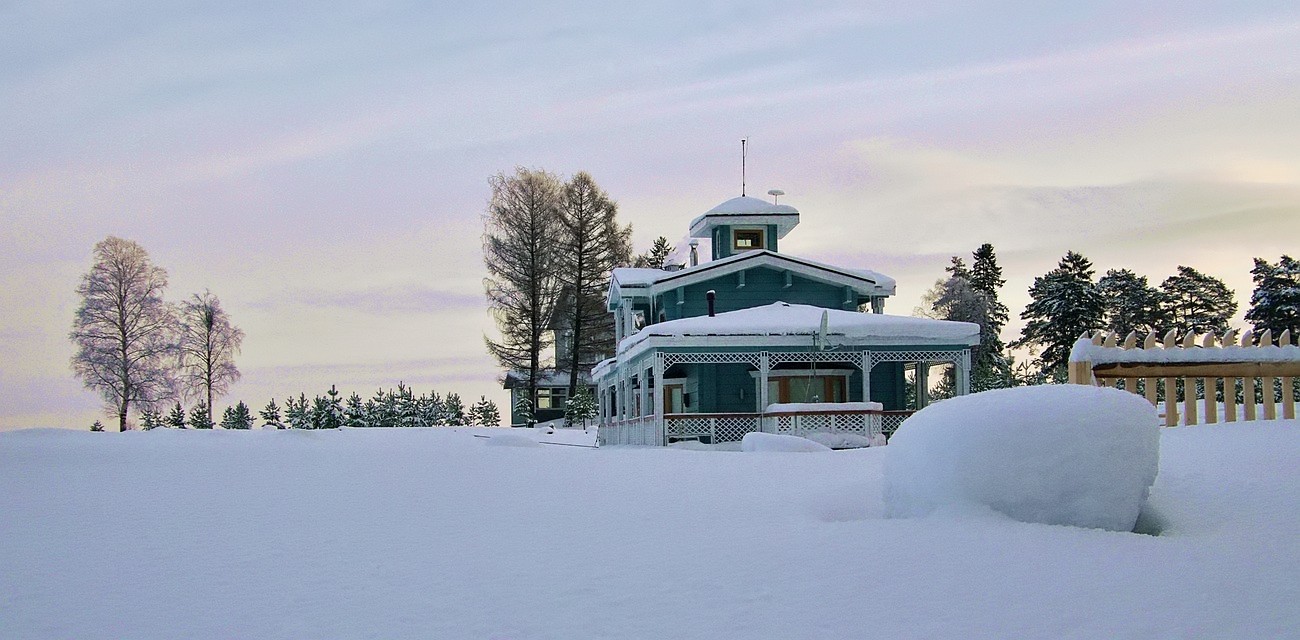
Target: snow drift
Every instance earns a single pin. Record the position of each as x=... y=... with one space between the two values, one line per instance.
x=758 y=441
x=1054 y=454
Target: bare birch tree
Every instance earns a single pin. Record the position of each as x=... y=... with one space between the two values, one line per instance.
x=521 y=231
x=123 y=329
x=207 y=345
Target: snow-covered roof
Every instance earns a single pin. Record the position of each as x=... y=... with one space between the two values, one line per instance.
x=794 y=325
x=545 y=378
x=657 y=281
x=746 y=210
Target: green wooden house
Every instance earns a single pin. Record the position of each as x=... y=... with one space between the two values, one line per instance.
x=759 y=340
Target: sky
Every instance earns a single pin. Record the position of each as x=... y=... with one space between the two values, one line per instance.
x=324 y=170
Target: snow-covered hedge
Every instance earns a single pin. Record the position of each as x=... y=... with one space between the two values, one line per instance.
x=1053 y=454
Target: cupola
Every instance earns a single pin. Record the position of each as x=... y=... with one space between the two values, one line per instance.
x=744 y=224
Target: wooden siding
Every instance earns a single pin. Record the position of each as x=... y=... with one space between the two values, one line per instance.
x=763 y=286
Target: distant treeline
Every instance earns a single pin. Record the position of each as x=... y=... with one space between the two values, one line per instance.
x=392 y=408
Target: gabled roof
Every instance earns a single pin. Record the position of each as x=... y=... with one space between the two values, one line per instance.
x=652 y=282
x=781 y=324
x=746 y=210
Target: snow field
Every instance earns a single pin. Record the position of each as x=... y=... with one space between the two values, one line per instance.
x=432 y=533
x=1052 y=454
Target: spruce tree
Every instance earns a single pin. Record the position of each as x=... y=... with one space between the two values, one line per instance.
x=455 y=410
x=957 y=268
x=97 y=426
x=271 y=415
x=1064 y=303
x=656 y=256
x=150 y=419
x=992 y=368
x=199 y=416
x=524 y=409
x=237 y=417
x=1131 y=303
x=581 y=408
x=175 y=419
x=1275 y=302
x=334 y=417
x=354 y=412
x=1197 y=303
x=297 y=412
x=489 y=415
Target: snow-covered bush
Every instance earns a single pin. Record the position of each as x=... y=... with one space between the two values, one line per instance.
x=757 y=441
x=1054 y=454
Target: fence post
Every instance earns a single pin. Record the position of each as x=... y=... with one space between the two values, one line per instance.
x=1288 y=382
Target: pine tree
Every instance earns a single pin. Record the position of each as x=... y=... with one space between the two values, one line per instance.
x=523 y=264
x=592 y=244
x=1064 y=303
x=175 y=419
x=297 y=412
x=524 y=409
x=237 y=417
x=199 y=416
x=455 y=410
x=354 y=412
x=1131 y=303
x=97 y=426
x=957 y=268
x=150 y=419
x=581 y=408
x=991 y=369
x=1275 y=302
x=483 y=413
x=334 y=416
x=1197 y=303
x=489 y=415
x=271 y=415
x=656 y=256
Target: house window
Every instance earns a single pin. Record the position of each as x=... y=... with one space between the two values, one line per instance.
x=746 y=239
x=551 y=398
x=805 y=388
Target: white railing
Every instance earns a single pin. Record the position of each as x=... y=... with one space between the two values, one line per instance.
x=635 y=431
x=865 y=423
x=710 y=427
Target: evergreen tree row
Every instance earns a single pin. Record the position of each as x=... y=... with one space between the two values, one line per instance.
x=391 y=408
x=1067 y=301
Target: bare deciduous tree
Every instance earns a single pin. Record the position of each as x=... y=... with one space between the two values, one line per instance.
x=520 y=253
x=207 y=346
x=592 y=244
x=123 y=329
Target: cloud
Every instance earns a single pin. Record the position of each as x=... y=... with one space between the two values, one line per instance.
x=378 y=300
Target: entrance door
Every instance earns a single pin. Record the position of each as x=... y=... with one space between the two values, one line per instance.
x=674 y=398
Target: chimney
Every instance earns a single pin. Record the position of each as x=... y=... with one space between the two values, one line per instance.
x=711 y=296
x=695 y=252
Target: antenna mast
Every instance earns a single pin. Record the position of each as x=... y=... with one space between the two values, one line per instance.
x=743 y=143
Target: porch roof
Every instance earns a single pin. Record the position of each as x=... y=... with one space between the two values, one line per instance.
x=794 y=325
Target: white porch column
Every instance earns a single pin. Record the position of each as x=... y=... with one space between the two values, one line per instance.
x=658 y=411
x=866 y=375
x=922 y=384
x=644 y=380
x=764 y=366
x=963 y=374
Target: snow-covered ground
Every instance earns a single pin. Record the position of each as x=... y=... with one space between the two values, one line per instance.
x=431 y=533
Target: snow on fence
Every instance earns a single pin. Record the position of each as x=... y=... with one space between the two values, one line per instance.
x=1219 y=365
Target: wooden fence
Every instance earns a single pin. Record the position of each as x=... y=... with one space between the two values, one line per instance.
x=1212 y=363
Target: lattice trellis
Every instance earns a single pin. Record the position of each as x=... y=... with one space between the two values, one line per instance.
x=865 y=424
x=890 y=422
x=672 y=358
x=780 y=357
x=731 y=429
x=955 y=357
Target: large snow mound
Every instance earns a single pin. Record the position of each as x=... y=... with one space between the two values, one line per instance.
x=758 y=441
x=1054 y=454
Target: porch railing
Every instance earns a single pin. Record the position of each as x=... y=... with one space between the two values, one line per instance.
x=732 y=427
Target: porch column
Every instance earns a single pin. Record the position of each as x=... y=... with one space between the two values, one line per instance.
x=764 y=366
x=659 y=397
x=922 y=384
x=866 y=374
x=963 y=374
x=644 y=379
